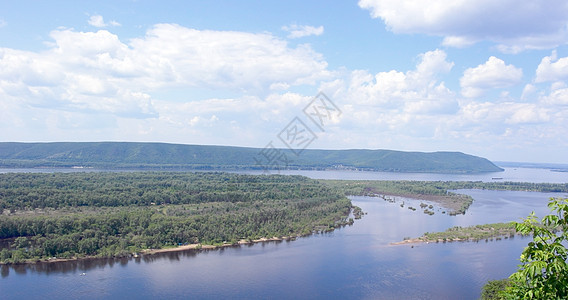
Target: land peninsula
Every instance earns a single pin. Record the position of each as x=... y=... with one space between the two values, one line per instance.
x=61 y=216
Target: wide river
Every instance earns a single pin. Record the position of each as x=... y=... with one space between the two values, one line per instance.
x=355 y=262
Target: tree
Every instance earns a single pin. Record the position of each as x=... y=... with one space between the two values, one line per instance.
x=543 y=273
x=492 y=289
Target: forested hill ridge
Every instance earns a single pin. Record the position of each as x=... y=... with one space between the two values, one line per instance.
x=175 y=156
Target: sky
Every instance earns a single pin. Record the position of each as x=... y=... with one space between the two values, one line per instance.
x=484 y=77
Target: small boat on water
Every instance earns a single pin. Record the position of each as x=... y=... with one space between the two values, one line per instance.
x=497 y=178
x=82 y=274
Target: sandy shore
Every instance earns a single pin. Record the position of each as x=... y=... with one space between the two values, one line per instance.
x=201 y=246
x=409 y=241
x=420 y=240
x=163 y=250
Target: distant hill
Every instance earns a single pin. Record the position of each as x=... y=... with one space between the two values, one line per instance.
x=177 y=156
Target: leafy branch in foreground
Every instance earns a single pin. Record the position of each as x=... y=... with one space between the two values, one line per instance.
x=543 y=273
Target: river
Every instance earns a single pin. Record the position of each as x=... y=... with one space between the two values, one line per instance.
x=354 y=262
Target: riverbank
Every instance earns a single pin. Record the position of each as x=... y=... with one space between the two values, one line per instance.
x=158 y=251
x=356 y=211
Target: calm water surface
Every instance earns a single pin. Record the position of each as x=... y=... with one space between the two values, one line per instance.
x=510 y=174
x=355 y=262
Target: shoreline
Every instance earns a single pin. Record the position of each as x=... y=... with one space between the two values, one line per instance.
x=161 y=250
x=421 y=241
x=187 y=247
x=212 y=247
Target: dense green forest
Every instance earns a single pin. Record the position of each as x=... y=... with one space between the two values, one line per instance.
x=174 y=156
x=69 y=215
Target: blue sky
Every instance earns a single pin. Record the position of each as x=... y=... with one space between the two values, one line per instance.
x=486 y=78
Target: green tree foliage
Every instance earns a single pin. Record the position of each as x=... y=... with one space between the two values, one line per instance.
x=543 y=273
x=113 y=214
x=492 y=290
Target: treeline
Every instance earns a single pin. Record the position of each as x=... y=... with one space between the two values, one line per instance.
x=439 y=188
x=398 y=187
x=23 y=191
x=506 y=186
x=69 y=217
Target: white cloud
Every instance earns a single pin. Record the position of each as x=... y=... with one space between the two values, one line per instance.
x=95 y=71
x=557 y=96
x=513 y=25
x=552 y=69
x=458 y=41
x=490 y=75
x=98 y=21
x=298 y=31
x=226 y=59
x=528 y=91
x=527 y=114
x=393 y=88
x=2 y=23
x=391 y=104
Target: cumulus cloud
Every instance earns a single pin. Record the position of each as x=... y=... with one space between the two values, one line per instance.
x=502 y=125
x=494 y=73
x=97 y=72
x=396 y=89
x=557 y=96
x=99 y=22
x=298 y=31
x=551 y=68
x=227 y=59
x=513 y=25
x=391 y=104
x=527 y=114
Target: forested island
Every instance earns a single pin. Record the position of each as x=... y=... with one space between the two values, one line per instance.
x=470 y=233
x=161 y=156
x=76 y=215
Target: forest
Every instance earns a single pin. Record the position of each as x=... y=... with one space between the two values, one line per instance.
x=74 y=215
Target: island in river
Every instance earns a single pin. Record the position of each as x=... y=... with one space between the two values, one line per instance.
x=470 y=233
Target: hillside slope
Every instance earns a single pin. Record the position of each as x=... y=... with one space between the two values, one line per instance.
x=167 y=156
